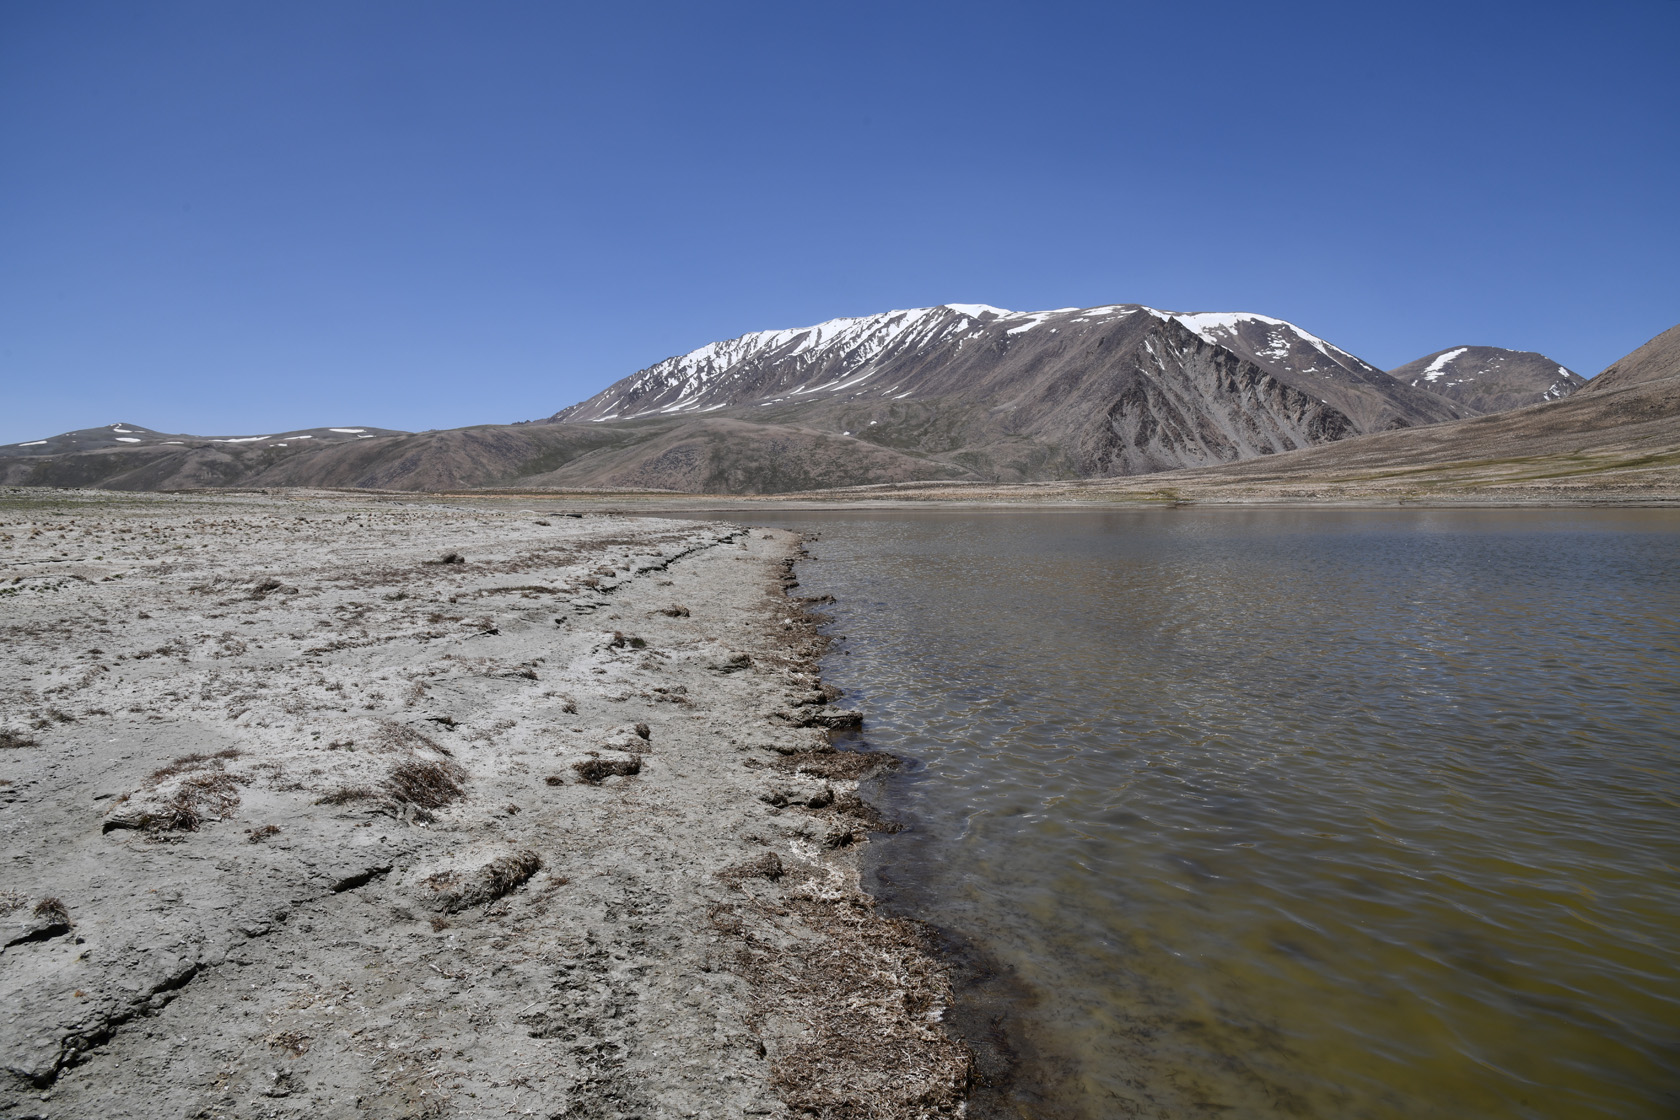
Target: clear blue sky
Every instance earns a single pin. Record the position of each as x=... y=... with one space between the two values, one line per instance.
x=241 y=217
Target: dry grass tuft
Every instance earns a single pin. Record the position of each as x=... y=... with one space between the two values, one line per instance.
x=344 y=795
x=199 y=797
x=10 y=739
x=426 y=784
x=596 y=770
x=54 y=912
x=190 y=762
x=452 y=891
x=767 y=866
x=394 y=736
x=258 y=835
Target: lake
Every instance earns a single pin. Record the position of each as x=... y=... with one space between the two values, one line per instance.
x=1307 y=813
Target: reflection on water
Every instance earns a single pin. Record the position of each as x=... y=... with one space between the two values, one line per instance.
x=1327 y=814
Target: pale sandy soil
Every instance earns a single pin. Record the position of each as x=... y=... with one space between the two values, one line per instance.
x=316 y=813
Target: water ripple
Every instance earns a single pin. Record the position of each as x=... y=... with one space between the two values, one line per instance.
x=1340 y=814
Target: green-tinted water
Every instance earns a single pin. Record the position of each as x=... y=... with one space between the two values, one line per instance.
x=1325 y=814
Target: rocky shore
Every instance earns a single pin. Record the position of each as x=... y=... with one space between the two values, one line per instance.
x=324 y=807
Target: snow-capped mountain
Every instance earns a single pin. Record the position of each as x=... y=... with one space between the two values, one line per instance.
x=1490 y=378
x=891 y=355
x=1121 y=388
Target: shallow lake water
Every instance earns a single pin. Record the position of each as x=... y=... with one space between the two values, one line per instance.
x=1282 y=813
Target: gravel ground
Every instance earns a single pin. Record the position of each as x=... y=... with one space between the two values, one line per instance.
x=327 y=807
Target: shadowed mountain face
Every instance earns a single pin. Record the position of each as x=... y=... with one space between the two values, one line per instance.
x=1657 y=360
x=1486 y=379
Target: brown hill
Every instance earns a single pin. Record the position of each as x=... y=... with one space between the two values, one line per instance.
x=1657 y=360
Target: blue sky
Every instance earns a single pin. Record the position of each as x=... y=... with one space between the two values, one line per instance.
x=228 y=218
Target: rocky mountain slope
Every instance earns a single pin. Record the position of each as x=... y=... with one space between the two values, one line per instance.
x=973 y=391
x=1657 y=360
x=1616 y=445
x=1015 y=362
x=1485 y=379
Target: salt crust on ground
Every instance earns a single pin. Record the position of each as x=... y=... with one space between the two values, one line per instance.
x=344 y=826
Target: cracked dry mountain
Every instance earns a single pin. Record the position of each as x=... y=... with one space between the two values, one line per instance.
x=955 y=392
x=323 y=808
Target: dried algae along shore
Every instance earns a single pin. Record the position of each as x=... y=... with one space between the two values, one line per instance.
x=316 y=807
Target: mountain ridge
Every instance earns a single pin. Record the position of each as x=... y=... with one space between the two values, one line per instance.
x=958 y=393
x=859 y=355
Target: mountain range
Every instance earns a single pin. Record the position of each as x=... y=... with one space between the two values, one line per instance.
x=958 y=392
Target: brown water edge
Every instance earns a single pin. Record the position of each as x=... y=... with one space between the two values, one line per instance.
x=991 y=1000
x=1010 y=1077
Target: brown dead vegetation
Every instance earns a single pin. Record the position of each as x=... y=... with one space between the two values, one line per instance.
x=295 y=1044
x=54 y=912
x=453 y=891
x=868 y=996
x=195 y=761
x=766 y=866
x=426 y=784
x=836 y=765
x=197 y=798
x=393 y=736
x=11 y=740
x=596 y=770
x=345 y=795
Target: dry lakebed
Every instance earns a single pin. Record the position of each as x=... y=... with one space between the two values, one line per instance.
x=332 y=807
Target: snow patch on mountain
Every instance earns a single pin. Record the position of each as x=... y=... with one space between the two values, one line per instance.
x=1438 y=367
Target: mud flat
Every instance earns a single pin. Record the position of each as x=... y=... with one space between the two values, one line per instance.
x=323 y=808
